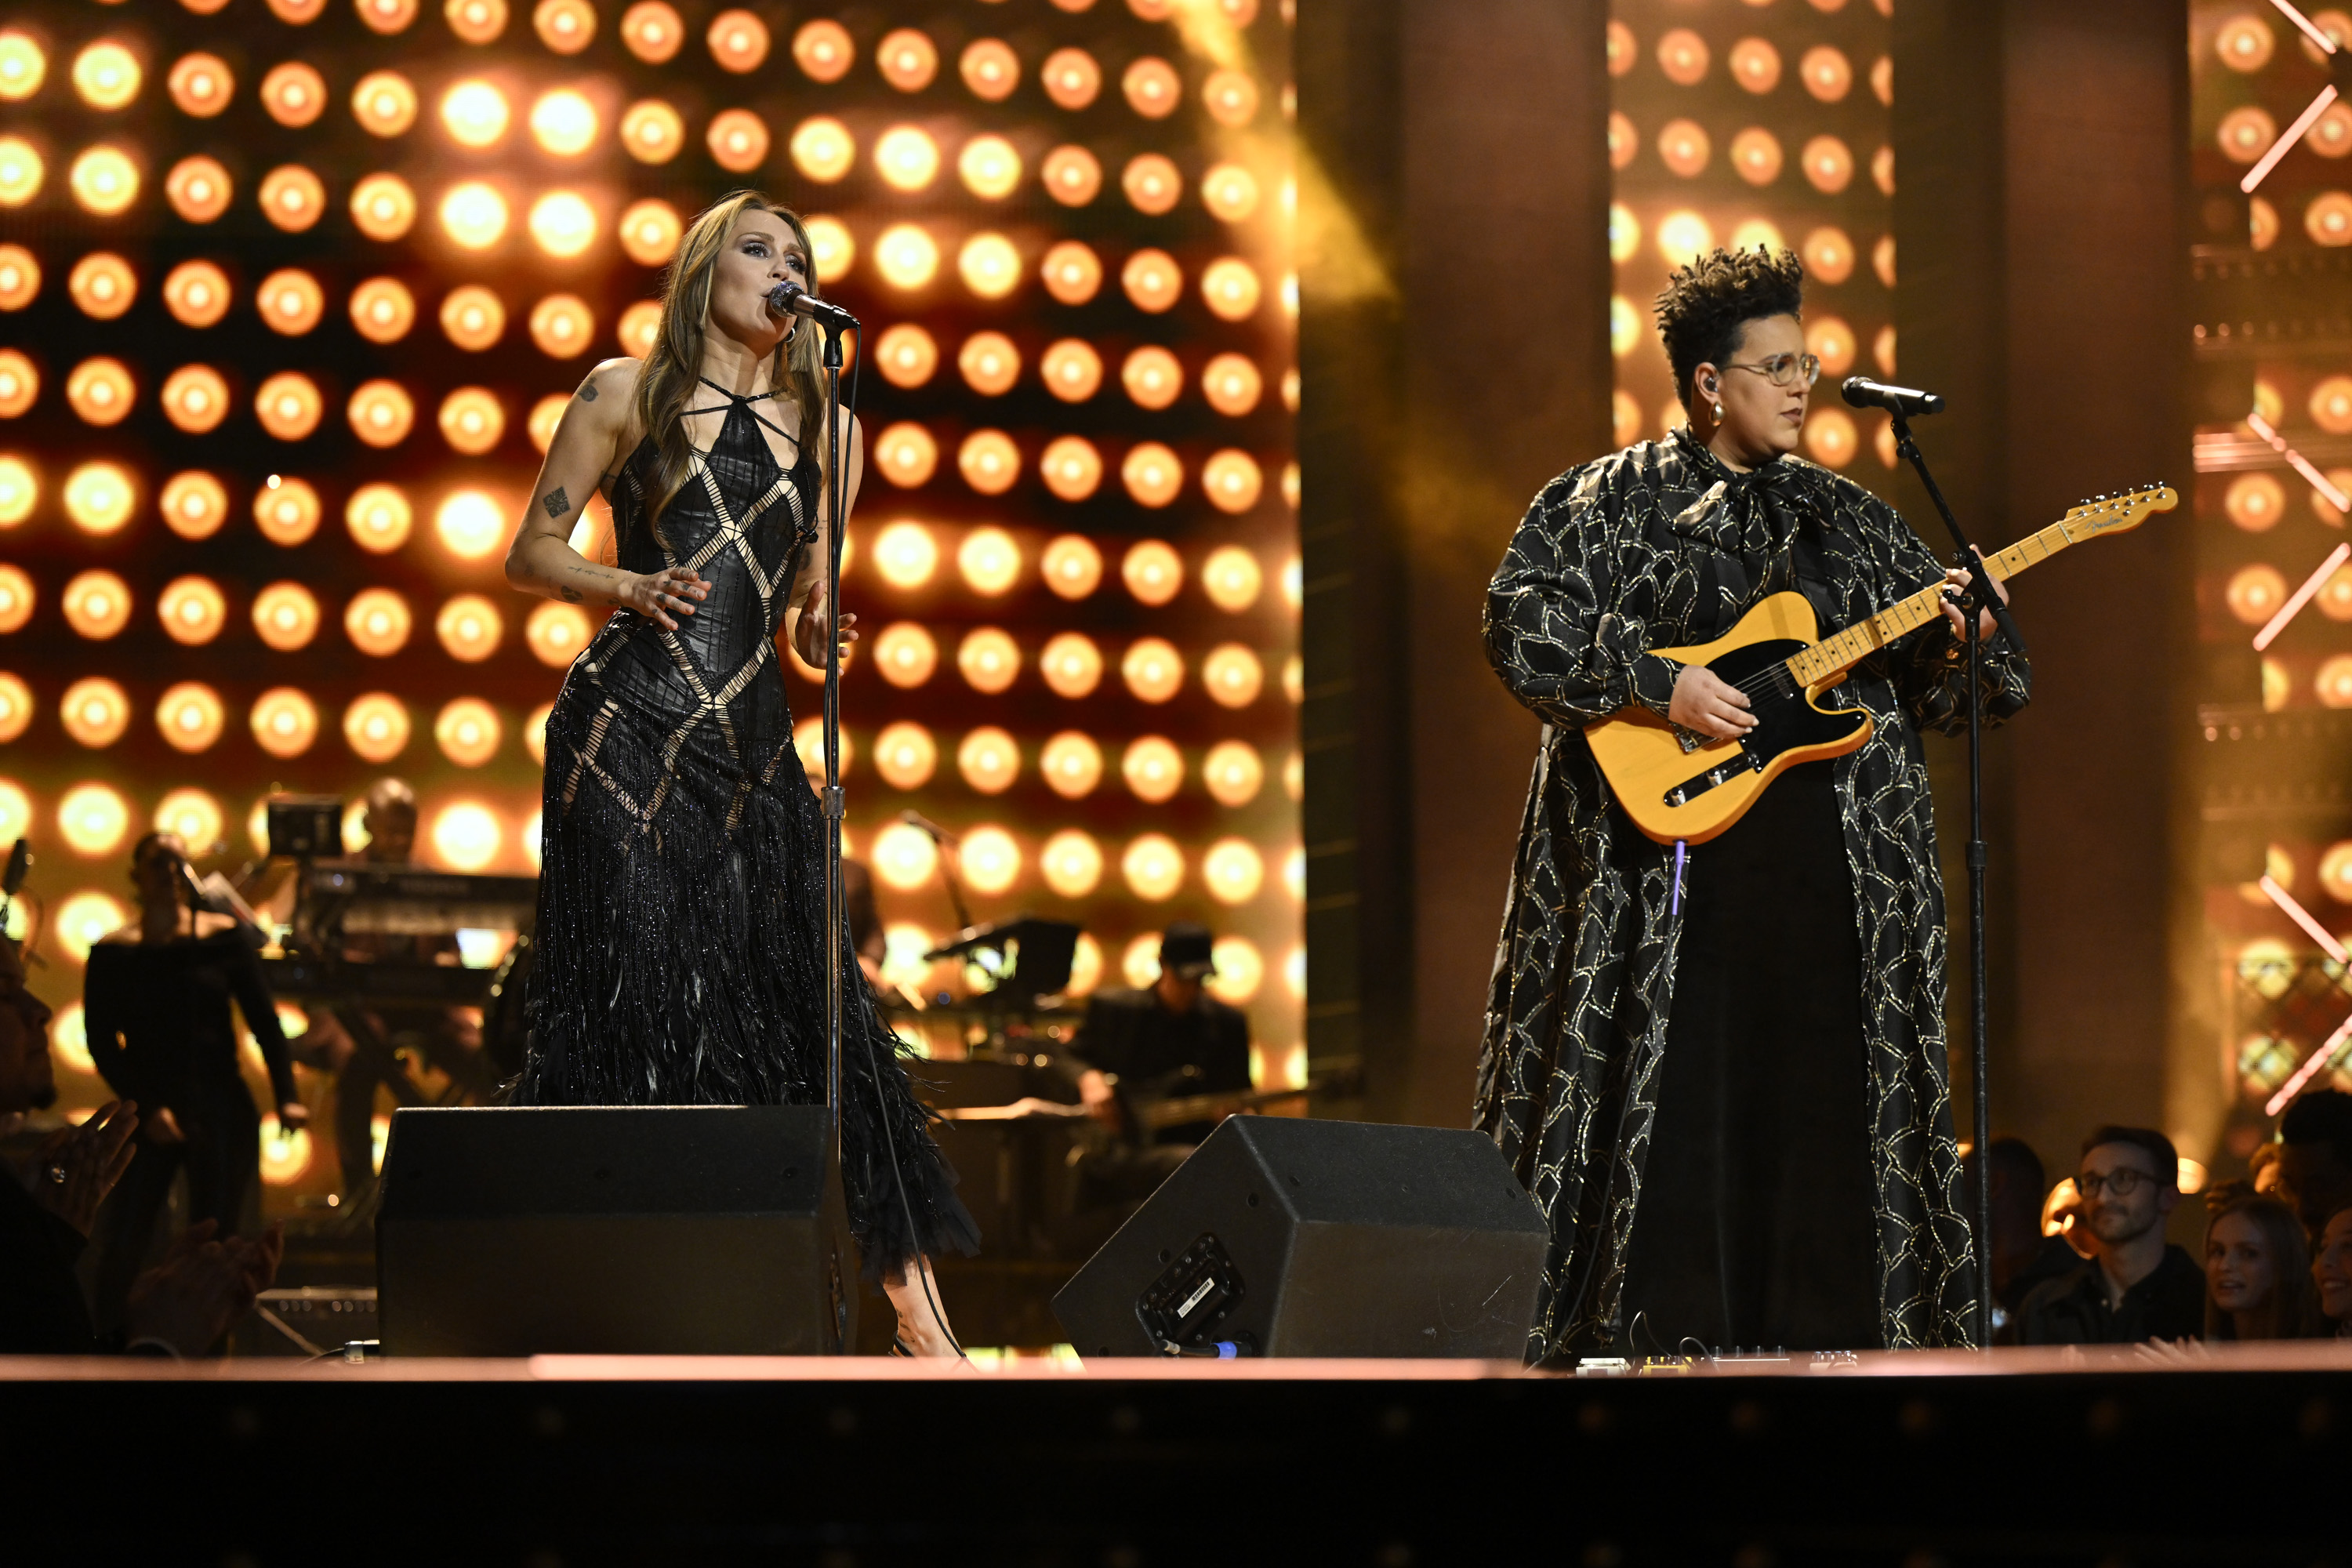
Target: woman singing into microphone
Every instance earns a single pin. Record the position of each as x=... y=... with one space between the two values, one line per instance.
x=681 y=917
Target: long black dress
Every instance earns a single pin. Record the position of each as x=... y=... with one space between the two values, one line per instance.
x=682 y=882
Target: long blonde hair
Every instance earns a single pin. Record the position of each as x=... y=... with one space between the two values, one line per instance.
x=665 y=382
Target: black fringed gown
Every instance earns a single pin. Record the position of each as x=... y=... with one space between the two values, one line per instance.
x=682 y=883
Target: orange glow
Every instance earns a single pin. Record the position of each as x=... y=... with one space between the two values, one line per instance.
x=94 y=712
x=468 y=731
x=97 y=605
x=1073 y=176
x=906 y=455
x=103 y=285
x=1829 y=255
x=822 y=50
x=465 y=836
x=906 y=655
x=20 y=278
x=193 y=505
x=195 y=815
x=989 y=859
x=906 y=554
x=1240 y=972
x=1232 y=578
x=287 y=512
x=1152 y=571
x=1152 y=281
x=639 y=325
x=556 y=633
x=2255 y=593
x=989 y=462
x=21 y=172
x=823 y=149
x=990 y=363
x=1152 y=88
x=1828 y=165
x=563 y=224
x=15 y=716
x=384 y=103
x=832 y=248
x=1153 y=474
x=2254 y=501
x=99 y=498
x=1234 y=871
x=1072 y=764
x=545 y=416
x=989 y=561
x=23 y=67
x=904 y=857
x=101 y=391
x=294 y=94
x=470 y=628
x=1151 y=184
x=473 y=215
x=1231 y=97
x=1152 y=668
x=906 y=354
x=288 y=405
x=1154 y=867
x=907 y=59
x=20 y=384
x=19 y=488
x=738 y=41
x=1232 y=675
x=1230 y=288
x=564 y=123
x=652 y=131
x=650 y=231
x=1233 y=480
x=18 y=597
x=291 y=301
x=292 y=198
x=106 y=75
x=381 y=413
x=386 y=17
x=285 y=616
x=989 y=759
x=191 y=610
x=1072 y=566
x=566 y=27
x=1072 y=79
x=1072 y=865
x=906 y=257
x=1153 y=768
x=198 y=189
x=377 y=621
x=561 y=326
x=906 y=158
x=1756 y=154
x=1073 y=470
x=988 y=265
x=92 y=819
x=1682 y=57
x=1073 y=273
x=738 y=139
x=189 y=716
x=382 y=310
x=383 y=207
x=376 y=727
x=989 y=660
x=990 y=68
x=1233 y=773
x=1072 y=665
x=906 y=755
x=1152 y=378
x=1229 y=192
x=652 y=31
x=1072 y=369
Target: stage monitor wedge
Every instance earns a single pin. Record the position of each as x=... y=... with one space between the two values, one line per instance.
x=677 y=1230
x=1288 y=1237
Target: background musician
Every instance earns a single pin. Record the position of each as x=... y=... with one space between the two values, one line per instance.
x=1171 y=1038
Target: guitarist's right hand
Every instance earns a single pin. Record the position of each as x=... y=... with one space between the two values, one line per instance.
x=1705 y=704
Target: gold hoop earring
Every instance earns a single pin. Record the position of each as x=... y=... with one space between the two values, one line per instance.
x=1718 y=414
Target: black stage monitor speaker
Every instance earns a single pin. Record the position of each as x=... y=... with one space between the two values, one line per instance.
x=651 y=1231
x=1288 y=1237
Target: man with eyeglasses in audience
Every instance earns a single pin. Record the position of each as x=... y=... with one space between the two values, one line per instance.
x=2135 y=1286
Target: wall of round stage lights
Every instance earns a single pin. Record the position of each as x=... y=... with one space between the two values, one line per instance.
x=1181 y=110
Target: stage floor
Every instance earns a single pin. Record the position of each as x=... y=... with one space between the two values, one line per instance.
x=2042 y=1457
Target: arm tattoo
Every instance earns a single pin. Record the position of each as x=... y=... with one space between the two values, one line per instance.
x=569 y=595
x=587 y=392
x=556 y=502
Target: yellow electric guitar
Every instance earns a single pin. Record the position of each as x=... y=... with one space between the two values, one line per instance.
x=1678 y=790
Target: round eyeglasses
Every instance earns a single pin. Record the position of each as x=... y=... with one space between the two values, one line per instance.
x=1783 y=370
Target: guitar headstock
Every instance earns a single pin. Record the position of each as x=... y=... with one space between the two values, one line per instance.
x=2115 y=513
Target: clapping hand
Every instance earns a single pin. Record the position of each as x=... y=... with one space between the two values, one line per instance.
x=815 y=622
x=202 y=1288
x=78 y=1167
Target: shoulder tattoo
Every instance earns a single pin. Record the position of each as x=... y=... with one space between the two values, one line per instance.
x=587 y=392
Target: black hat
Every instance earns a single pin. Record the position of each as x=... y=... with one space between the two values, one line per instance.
x=1184 y=950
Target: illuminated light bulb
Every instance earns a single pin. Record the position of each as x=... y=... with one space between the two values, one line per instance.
x=562 y=326
x=546 y=415
x=17 y=598
x=382 y=310
x=906 y=755
x=905 y=857
x=1231 y=385
x=990 y=69
x=20 y=278
x=1152 y=378
x=2333 y=683
x=1152 y=473
x=1153 y=867
x=195 y=815
x=1152 y=88
x=99 y=497
x=738 y=41
x=562 y=224
x=652 y=31
x=1071 y=467
x=1828 y=165
x=1233 y=480
x=287 y=511
x=1240 y=970
x=470 y=628
x=906 y=354
x=989 y=859
x=193 y=505
x=377 y=621
x=906 y=655
x=1233 y=773
x=2331 y=404
x=565 y=27
x=1231 y=98
x=1152 y=281
x=1072 y=764
x=564 y=122
x=534 y=733
x=989 y=660
x=1071 y=864
x=189 y=716
x=198 y=188
x=1683 y=237
x=1232 y=578
x=1829 y=255
x=92 y=819
x=465 y=836
x=1230 y=290
x=103 y=285
x=988 y=167
x=468 y=731
x=906 y=158
x=990 y=265
x=191 y=611
x=2328 y=218
x=476 y=21
x=285 y=616
x=1293 y=681
x=19 y=488
x=1229 y=192
x=381 y=413
x=288 y=405
x=638 y=327
x=2255 y=593
x=907 y=59
x=1072 y=665
x=1755 y=65
x=556 y=633
x=83 y=920
x=383 y=208
x=1153 y=769
x=907 y=256
x=1827 y=74
x=2244 y=43
x=650 y=230
x=22 y=65
x=474 y=318
x=1234 y=871
x=21 y=172
x=101 y=391
x=1756 y=154
x=295 y=94
x=1073 y=273
x=1756 y=234
x=1232 y=675
x=1152 y=668
x=470 y=525
x=1073 y=176
x=1072 y=79
x=384 y=103
x=989 y=462
x=1071 y=566
x=473 y=215
x=386 y=17
x=822 y=50
x=738 y=139
x=376 y=727
x=291 y=301
x=989 y=761
x=1682 y=57
x=20 y=384
x=105 y=75
x=1140 y=965
x=97 y=605
x=906 y=454
x=906 y=554
x=821 y=149
x=292 y=198
x=831 y=250
x=1072 y=369
x=1152 y=571
x=94 y=712
x=652 y=131
x=989 y=561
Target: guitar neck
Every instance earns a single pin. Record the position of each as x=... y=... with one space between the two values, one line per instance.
x=1849 y=647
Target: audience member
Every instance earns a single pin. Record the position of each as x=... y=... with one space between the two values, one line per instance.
x=2258 y=1281
x=2137 y=1287
x=2022 y=1255
x=2331 y=1270
x=2061 y=1216
x=2262 y=1169
x=181 y=1308
x=2315 y=1157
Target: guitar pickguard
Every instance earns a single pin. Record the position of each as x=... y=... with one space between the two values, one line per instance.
x=1785 y=719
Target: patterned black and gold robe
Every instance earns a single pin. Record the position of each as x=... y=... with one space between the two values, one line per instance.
x=1658 y=546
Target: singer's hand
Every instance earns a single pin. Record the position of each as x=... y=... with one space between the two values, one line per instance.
x=1960 y=583
x=1707 y=703
x=657 y=595
x=809 y=634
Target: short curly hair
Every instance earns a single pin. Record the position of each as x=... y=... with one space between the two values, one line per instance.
x=1705 y=306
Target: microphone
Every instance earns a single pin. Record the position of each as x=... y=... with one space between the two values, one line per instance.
x=789 y=299
x=1861 y=392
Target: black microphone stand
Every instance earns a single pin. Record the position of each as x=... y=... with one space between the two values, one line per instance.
x=837 y=915
x=1980 y=596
